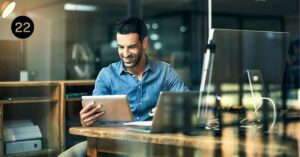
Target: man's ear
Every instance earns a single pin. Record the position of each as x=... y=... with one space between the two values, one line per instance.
x=145 y=42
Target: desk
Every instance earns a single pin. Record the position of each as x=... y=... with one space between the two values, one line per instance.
x=118 y=140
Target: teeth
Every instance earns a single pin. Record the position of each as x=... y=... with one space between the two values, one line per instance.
x=127 y=60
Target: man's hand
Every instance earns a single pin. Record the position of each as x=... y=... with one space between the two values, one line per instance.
x=153 y=111
x=90 y=113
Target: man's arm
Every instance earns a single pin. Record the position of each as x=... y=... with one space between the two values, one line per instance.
x=91 y=112
x=102 y=84
x=175 y=83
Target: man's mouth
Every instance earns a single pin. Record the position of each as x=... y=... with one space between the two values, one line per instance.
x=128 y=59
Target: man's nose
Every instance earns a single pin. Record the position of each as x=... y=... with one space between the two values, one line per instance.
x=126 y=52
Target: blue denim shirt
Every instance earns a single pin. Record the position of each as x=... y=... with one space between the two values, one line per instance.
x=142 y=94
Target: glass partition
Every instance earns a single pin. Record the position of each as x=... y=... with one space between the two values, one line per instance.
x=178 y=35
x=71 y=39
x=252 y=101
x=238 y=50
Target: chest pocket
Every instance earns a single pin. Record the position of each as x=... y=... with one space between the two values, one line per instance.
x=122 y=88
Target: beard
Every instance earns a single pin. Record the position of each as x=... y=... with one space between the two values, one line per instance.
x=131 y=60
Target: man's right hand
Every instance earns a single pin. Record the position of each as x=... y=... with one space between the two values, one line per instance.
x=90 y=113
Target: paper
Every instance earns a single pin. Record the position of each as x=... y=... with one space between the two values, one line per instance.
x=139 y=123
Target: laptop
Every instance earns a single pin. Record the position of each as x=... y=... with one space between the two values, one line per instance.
x=176 y=112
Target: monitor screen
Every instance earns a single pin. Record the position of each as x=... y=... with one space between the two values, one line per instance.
x=240 y=50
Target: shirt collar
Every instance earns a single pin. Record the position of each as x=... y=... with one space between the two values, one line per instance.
x=149 y=66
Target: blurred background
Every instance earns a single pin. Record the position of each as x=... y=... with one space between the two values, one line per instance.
x=74 y=39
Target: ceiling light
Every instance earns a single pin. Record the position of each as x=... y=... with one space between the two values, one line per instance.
x=157 y=45
x=7 y=7
x=79 y=7
x=154 y=26
x=183 y=29
x=260 y=0
x=154 y=36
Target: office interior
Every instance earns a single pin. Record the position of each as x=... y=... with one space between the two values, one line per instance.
x=251 y=89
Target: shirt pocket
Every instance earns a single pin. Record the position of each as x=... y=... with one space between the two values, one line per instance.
x=123 y=88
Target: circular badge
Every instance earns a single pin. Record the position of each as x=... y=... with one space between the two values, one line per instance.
x=22 y=27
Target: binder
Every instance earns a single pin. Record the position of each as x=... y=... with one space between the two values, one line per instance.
x=23 y=146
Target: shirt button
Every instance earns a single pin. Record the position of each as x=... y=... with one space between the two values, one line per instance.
x=140 y=103
x=139 y=86
x=137 y=118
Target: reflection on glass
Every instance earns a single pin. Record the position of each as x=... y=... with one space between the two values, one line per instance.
x=257 y=114
x=239 y=50
x=82 y=62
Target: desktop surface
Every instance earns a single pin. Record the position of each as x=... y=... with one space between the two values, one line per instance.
x=231 y=142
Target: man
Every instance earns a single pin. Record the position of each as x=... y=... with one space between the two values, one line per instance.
x=136 y=75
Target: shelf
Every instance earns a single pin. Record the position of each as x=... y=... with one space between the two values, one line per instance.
x=19 y=100
x=38 y=101
x=24 y=101
x=28 y=83
x=78 y=82
x=73 y=99
x=71 y=93
x=44 y=152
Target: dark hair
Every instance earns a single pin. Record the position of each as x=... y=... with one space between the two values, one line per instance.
x=132 y=25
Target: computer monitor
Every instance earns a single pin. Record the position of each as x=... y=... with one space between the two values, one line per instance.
x=239 y=50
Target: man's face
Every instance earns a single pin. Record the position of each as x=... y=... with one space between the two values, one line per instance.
x=130 y=49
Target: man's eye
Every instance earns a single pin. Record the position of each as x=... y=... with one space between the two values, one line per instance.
x=132 y=47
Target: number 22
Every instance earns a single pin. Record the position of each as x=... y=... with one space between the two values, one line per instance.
x=19 y=27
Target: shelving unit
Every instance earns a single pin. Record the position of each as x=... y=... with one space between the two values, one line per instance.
x=71 y=92
x=38 y=102
x=52 y=105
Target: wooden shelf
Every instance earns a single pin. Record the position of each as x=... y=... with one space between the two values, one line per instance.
x=33 y=99
x=28 y=83
x=21 y=100
x=75 y=88
x=78 y=82
x=73 y=99
x=27 y=101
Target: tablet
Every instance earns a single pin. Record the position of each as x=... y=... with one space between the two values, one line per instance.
x=116 y=107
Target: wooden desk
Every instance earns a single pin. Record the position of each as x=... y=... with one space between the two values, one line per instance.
x=118 y=140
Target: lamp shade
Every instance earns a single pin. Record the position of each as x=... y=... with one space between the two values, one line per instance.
x=7 y=7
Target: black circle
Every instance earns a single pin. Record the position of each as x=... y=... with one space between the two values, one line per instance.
x=22 y=27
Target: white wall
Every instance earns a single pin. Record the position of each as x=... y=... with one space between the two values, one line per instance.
x=46 y=47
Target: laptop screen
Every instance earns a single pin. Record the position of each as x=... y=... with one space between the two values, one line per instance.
x=176 y=111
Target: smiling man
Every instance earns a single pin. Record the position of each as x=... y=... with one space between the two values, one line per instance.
x=135 y=75
x=130 y=50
